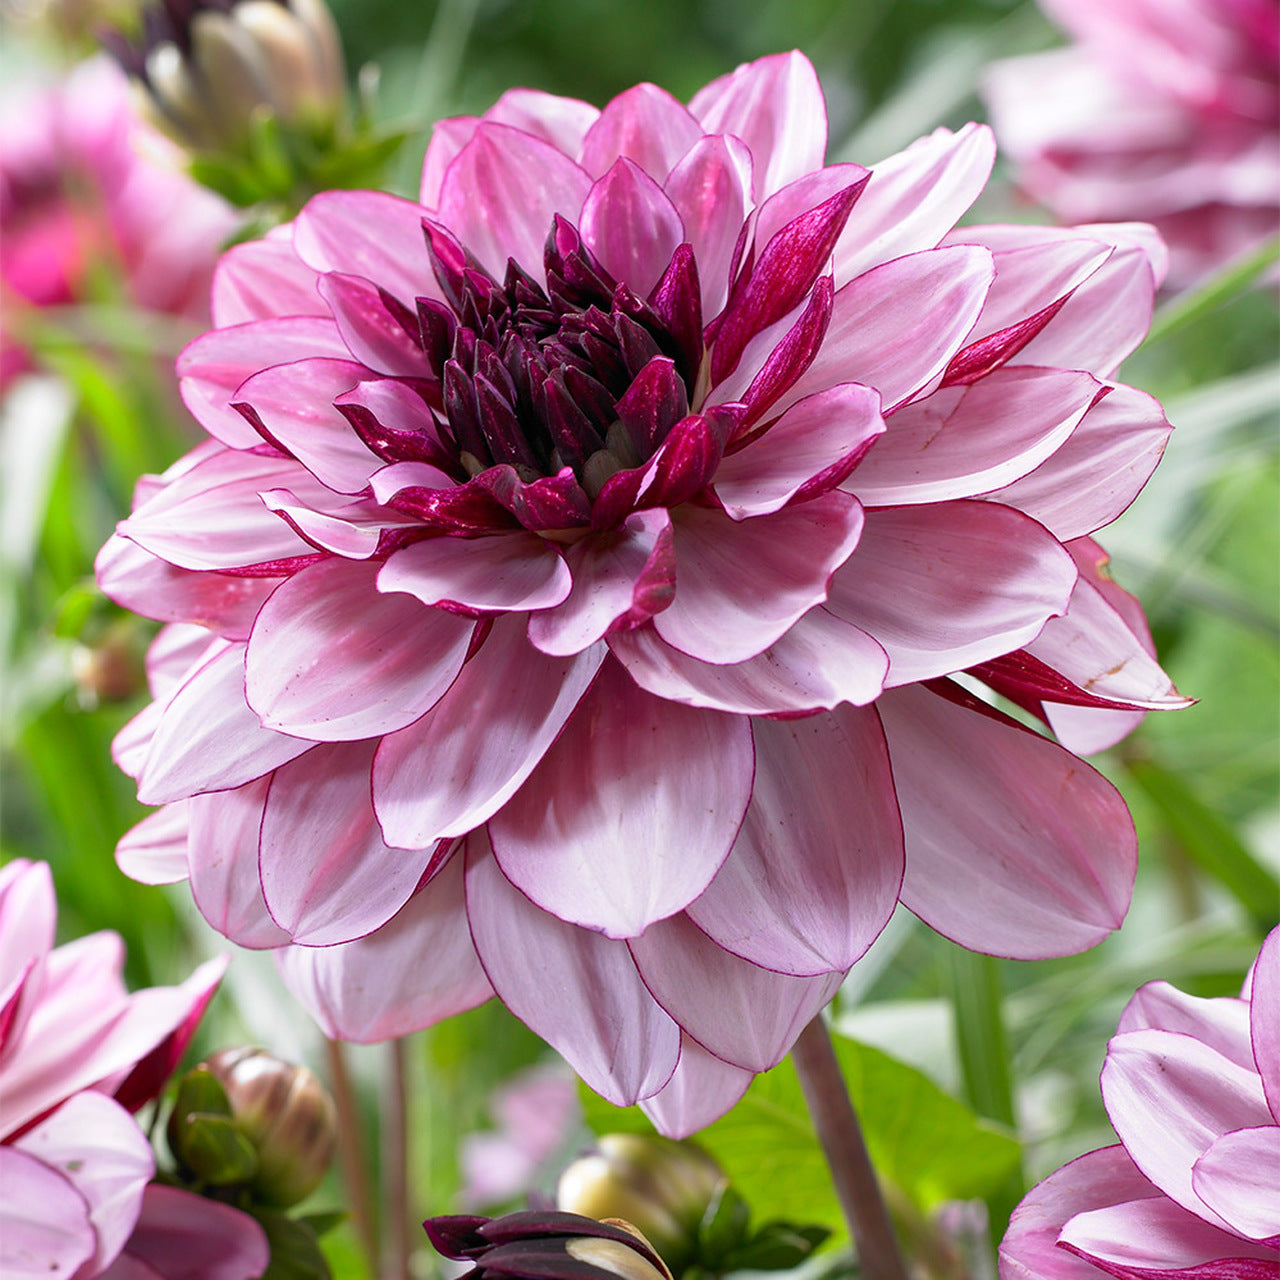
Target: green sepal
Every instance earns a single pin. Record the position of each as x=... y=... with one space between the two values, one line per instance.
x=213 y=1149
x=723 y=1228
x=295 y=1247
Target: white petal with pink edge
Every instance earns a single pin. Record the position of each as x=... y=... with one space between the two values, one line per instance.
x=702 y=1089
x=1227 y=1179
x=630 y=813
x=577 y=989
x=334 y=659
x=1264 y=1018
x=1014 y=846
x=155 y=850
x=42 y=1216
x=460 y=763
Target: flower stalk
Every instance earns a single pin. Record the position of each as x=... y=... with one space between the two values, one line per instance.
x=351 y=1153
x=846 y=1151
x=395 y=1164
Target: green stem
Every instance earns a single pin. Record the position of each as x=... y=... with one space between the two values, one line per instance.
x=351 y=1153
x=852 y=1172
x=1219 y=289
x=395 y=1164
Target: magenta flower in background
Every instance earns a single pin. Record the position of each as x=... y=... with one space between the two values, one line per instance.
x=1166 y=112
x=566 y=597
x=1192 y=1087
x=85 y=188
x=78 y=1055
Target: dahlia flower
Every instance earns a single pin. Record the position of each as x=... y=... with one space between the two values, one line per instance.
x=85 y=188
x=78 y=1055
x=566 y=596
x=1192 y=1087
x=1167 y=113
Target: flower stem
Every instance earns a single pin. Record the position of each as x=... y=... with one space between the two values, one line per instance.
x=395 y=1163
x=351 y=1153
x=842 y=1143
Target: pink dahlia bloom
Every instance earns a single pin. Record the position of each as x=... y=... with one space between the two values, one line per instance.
x=78 y=1055
x=85 y=189
x=1167 y=112
x=566 y=595
x=1192 y=1087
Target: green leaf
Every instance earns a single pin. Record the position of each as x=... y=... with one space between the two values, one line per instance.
x=295 y=1248
x=1219 y=289
x=723 y=1228
x=777 y=1246
x=931 y=1147
x=323 y=1223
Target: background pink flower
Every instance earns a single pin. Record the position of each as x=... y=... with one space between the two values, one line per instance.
x=85 y=188
x=79 y=1054
x=1192 y=1087
x=565 y=599
x=1168 y=112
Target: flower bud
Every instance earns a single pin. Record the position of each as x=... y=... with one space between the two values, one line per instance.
x=287 y=1116
x=547 y=1246
x=664 y=1187
x=110 y=669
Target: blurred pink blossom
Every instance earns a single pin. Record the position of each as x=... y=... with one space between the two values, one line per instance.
x=1163 y=110
x=583 y=637
x=79 y=1054
x=1192 y=1087
x=86 y=188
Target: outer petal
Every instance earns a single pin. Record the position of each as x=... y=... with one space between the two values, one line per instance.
x=44 y=1221
x=1170 y=1098
x=263 y=279
x=1014 y=847
x=333 y=658
x=418 y=968
x=327 y=875
x=1231 y=1179
x=747 y=1015
x=629 y=814
x=155 y=851
x=819 y=663
x=177 y=1228
x=96 y=1145
x=741 y=585
x=501 y=192
x=703 y=1089
x=1264 y=1018
x=460 y=763
x=944 y=586
x=646 y=125
x=28 y=911
x=775 y=106
x=1220 y=1022
x=815 y=872
x=369 y=330
x=577 y=989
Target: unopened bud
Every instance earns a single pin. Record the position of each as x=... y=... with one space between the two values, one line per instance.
x=287 y=1116
x=110 y=669
x=664 y=1187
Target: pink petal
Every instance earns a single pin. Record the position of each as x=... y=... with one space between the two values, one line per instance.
x=369 y=330
x=897 y=327
x=327 y=875
x=803 y=452
x=44 y=1220
x=645 y=124
x=1014 y=847
x=746 y=1015
x=563 y=122
x=208 y=739
x=369 y=234
x=1221 y=1022
x=416 y=969
x=335 y=659
x=177 y=1227
x=96 y=1145
x=915 y=197
x=391 y=415
x=28 y=912
x=353 y=530
x=460 y=763
x=262 y=280
x=211 y=517
x=815 y=872
x=1170 y=1098
x=631 y=226
x=711 y=189
x=155 y=850
x=805 y=193
x=576 y=989
x=215 y=364
x=223 y=856
x=1231 y=1179
x=963 y=441
x=819 y=663
x=618 y=575
x=775 y=105
x=742 y=585
x=173 y=655
x=501 y=192
x=948 y=585
x=631 y=811
x=509 y=573
x=1264 y=1014
x=702 y=1089
x=294 y=404
x=1099 y=471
